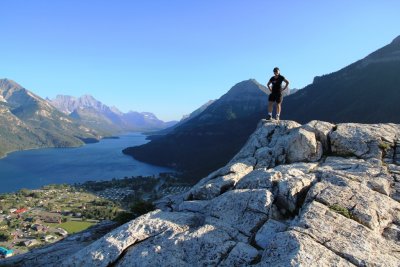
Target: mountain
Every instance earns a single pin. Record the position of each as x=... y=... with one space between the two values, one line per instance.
x=318 y=194
x=366 y=91
x=28 y=121
x=196 y=112
x=144 y=121
x=292 y=91
x=69 y=104
x=184 y=119
x=106 y=119
x=90 y=112
x=208 y=140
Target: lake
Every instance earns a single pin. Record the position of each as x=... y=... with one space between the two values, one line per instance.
x=99 y=161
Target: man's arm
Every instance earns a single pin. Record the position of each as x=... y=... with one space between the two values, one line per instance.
x=286 y=84
x=268 y=85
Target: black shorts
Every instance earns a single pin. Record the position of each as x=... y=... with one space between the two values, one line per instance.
x=274 y=97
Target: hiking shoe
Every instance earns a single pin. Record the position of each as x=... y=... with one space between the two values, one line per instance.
x=269 y=117
x=277 y=117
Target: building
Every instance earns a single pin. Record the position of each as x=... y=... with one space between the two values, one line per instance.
x=39 y=228
x=49 y=238
x=62 y=232
x=20 y=211
x=50 y=218
x=5 y=253
x=30 y=242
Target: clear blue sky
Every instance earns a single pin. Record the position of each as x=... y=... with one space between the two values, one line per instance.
x=170 y=57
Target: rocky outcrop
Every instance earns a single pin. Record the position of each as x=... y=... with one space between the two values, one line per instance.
x=296 y=195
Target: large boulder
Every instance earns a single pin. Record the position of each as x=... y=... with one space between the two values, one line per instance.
x=346 y=237
x=363 y=140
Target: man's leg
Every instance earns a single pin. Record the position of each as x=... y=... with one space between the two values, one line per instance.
x=278 y=111
x=270 y=107
x=278 y=108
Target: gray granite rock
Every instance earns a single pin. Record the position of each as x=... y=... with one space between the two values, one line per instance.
x=292 y=191
x=207 y=245
x=363 y=140
x=346 y=237
x=194 y=205
x=241 y=255
x=108 y=249
x=303 y=146
x=267 y=134
x=293 y=145
x=321 y=129
x=372 y=209
x=293 y=248
x=260 y=178
x=268 y=231
x=227 y=178
x=243 y=209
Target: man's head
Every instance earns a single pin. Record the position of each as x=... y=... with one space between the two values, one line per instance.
x=276 y=71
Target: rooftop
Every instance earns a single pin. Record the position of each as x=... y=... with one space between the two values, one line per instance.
x=5 y=251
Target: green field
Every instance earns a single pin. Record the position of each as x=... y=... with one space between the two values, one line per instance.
x=73 y=226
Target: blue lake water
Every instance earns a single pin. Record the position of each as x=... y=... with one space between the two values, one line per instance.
x=99 y=161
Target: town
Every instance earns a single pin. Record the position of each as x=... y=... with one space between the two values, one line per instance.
x=33 y=218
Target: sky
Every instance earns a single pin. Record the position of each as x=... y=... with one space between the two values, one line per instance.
x=171 y=57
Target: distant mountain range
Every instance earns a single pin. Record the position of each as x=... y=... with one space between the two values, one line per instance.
x=109 y=120
x=28 y=121
x=366 y=91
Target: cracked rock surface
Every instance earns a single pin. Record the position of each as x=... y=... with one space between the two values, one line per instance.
x=295 y=195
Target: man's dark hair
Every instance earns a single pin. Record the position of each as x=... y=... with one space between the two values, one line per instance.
x=276 y=69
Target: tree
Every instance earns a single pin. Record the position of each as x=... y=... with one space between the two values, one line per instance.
x=5 y=237
x=141 y=207
x=124 y=217
x=24 y=192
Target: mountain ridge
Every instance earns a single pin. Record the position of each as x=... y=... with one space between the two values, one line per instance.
x=28 y=122
x=365 y=92
x=99 y=116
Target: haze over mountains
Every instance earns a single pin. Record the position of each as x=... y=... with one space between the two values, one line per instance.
x=106 y=119
x=366 y=91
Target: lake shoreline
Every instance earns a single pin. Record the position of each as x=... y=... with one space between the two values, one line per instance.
x=104 y=160
x=90 y=141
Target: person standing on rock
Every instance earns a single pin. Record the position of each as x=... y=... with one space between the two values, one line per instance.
x=276 y=92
